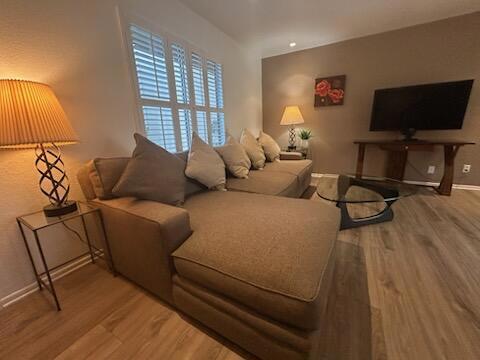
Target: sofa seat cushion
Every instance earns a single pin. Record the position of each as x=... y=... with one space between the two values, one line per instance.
x=262 y=182
x=268 y=253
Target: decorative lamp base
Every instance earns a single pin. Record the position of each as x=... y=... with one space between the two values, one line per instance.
x=53 y=180
x=292 y=148
x=66 y=208
x=292 y=138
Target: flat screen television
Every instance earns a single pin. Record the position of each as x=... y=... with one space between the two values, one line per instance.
x=439 y=106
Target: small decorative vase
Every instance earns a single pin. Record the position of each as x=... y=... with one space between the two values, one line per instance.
x=305 y=144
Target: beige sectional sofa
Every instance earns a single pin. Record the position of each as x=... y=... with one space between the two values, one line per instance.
x=254 y=263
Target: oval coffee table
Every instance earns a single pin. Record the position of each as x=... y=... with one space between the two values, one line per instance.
x=370 y=198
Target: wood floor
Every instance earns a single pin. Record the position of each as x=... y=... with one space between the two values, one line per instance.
x=409 y=289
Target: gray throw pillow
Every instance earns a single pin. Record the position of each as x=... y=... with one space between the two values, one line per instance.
x=152 y=174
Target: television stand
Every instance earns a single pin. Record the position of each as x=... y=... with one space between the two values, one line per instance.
x=398 y=155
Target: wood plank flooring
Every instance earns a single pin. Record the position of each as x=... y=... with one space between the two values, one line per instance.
x=408 y=289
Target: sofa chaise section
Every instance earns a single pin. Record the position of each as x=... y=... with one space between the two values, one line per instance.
x=270 y=258
x=270 y=270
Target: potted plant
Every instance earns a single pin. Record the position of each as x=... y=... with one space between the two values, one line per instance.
x=305 y=135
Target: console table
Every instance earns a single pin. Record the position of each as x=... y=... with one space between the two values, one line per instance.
x=398 y=153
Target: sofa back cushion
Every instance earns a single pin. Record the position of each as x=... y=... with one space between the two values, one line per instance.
x=97 y=176
x=83 y=177
x=104 y=173
x=153 y=174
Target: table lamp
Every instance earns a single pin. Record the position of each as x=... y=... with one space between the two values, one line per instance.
x=32 y=117
x=291 y=117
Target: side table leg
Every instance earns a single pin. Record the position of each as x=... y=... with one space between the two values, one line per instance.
x=88 y=239
x=107 y=244
x=30 y=255
x=47 y=271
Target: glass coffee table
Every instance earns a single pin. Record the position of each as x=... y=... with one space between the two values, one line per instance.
x=363 y=201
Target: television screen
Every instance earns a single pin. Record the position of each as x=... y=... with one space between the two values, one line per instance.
x=439 y=106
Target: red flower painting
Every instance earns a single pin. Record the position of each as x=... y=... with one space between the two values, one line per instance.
x=322 y=88
x=330 y=90
x=336 y=95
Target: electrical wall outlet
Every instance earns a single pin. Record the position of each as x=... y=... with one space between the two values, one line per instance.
x=431 y=169
x=466 y=168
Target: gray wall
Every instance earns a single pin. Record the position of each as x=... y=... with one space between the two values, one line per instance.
x=440 y=51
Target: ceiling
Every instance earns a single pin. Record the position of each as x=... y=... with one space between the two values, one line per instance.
x=268 y=26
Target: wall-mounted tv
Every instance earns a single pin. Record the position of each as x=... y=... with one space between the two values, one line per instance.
x=439 y=106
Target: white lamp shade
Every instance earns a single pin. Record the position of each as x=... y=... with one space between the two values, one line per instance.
x=292 y=116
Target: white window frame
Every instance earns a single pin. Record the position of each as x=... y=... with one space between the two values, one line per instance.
x=173 y=104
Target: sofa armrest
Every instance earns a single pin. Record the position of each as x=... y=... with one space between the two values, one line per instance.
x=142 y=234
x=291 y=155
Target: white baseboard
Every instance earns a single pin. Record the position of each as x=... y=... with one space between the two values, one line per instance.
x=422 y=183
x=57 y=274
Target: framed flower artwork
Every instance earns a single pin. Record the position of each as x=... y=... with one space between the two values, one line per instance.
x=330 y=90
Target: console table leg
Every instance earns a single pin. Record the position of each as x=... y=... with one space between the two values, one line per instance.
x=360 y=159
x=397 y=161
x=450 y=151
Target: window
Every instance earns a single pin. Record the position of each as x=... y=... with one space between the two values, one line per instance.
x=180 y=91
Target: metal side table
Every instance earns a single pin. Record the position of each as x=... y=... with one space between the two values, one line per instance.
x=37 y=221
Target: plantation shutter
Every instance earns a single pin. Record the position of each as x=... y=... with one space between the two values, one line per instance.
x=217 y=122
x=180 y=73
x=215 y=94
x=198 y=82
x=159 y=126
x=150 y=64
x=178 y=90
x=152 y=78
x=185 y=117
x=202 y=127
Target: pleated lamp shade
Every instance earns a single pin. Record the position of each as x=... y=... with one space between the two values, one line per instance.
x=292 y=116
x=31 y=114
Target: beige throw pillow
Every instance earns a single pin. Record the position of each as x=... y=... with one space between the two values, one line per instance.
x=235 y=158
x=205 y=165
x=152 y=174
x=270 y=147
x=253 y=148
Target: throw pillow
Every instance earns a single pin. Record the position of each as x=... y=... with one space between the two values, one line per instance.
x=205 y=165
x=235 y=158
x=270 y=147
x=253 y=149
x=152 y=174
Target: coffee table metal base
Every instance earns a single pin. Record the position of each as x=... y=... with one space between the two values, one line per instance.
x=347 y=222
